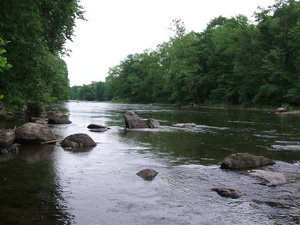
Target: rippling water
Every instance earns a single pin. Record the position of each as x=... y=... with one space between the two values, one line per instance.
x=49 y=185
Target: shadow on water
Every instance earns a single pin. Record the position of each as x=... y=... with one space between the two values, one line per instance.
x=31 y=192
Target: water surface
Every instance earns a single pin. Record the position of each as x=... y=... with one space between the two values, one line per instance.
x=49 y=185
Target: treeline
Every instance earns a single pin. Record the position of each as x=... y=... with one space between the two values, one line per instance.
x=233 y=61
x=32 y=38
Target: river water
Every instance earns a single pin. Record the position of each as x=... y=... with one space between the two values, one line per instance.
x=47 y=185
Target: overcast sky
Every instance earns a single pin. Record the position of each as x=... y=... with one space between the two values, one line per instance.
x=117 y=28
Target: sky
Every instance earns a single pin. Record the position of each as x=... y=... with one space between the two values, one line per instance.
x=116 y=28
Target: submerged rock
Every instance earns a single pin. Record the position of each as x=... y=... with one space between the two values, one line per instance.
x=147 y=174
x=185 y=125
x=245 y=160
x=271 y=178
x=228 y=192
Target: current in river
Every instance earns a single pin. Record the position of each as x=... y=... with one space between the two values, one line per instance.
x=47 y=185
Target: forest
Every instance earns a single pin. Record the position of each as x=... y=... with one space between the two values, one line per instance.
x=233 y=61
x=32 y=39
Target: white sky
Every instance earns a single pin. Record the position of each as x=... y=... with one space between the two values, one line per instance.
x=117 y=28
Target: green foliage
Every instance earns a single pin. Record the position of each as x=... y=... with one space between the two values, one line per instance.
x=232 y=62
x=37 y=32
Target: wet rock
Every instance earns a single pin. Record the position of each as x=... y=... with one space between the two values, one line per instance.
x=245 y=160
x=185 y=125
x=147 y=174
x=99 y=130
x=33 y=133
x=38 y=120
x=78 y=140
x=271 y=178
x=55 y=114
x=228 y=192
x=7 y=137
x=152 y=123
x=59 y=120
x=3 y=151
x=132 y=120
x=2 y=111
x=280 y=110
x=96 y=126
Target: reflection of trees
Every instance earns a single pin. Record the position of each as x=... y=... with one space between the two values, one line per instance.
x=30 y=189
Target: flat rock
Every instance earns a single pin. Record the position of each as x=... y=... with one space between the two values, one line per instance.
x=271 y=178
x=228 y=192
x=96 y=126
x=185 y=125
x=244 y=161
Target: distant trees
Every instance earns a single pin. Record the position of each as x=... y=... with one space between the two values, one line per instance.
x=36 y=32
x=233 y=61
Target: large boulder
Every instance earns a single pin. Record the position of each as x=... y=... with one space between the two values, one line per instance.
x=78 y=140
x=7 y=137
x=245 y=160
x=132 y=120
x=33 y=133
x=59 y=120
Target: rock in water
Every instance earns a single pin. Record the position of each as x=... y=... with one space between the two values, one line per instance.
x=147 y=174
x=59 y=120
x=78 y=140
x=152 y=123
x=132 y=120
x=272 y=178
x=228 y=192
x=33 y=133
x=7 y=137
x=245 y=160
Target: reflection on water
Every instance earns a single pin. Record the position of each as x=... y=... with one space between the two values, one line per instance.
x=48 y=185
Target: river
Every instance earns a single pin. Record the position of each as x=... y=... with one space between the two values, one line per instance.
x=47 y=185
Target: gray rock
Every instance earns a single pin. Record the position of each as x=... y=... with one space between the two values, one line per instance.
x=132 y=120
x=152 y=123
x=228 y=192
x=271 y=178
x=7 y=137
x=78 y=140
x=33 y=133
x=96 y=126
x=245 y=160
x=147 y=174
x=59 y=120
